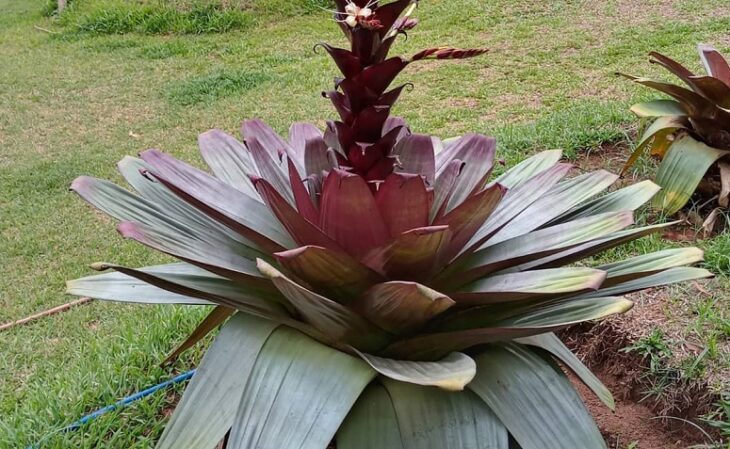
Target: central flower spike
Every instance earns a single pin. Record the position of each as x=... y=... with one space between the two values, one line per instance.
x=366 y=138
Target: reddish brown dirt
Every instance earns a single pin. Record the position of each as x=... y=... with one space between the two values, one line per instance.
x=631 y=421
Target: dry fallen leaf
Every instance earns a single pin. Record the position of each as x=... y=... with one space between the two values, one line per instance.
x=700 y=288
x=724 y=199
x=708 y=226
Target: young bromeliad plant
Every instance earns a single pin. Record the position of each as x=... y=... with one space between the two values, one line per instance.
x=691 y=132
x=380 y=290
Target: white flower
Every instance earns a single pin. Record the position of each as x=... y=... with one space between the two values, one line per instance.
x=355 y=13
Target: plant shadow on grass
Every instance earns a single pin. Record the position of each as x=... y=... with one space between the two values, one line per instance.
x=213 y=86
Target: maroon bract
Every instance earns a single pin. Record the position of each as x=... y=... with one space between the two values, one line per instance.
x=365 y=135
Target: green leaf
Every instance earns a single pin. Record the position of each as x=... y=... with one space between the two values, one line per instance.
x=329 y=317
x=558 y=200
x=666 y=277
x=529 y=284
x=627 y=198
x=658 y=108
x=430 y=418
x=401 y=307
x=682 y=169
x=534 y=400
x=329 y=271
x=590 y=248
x=256 y=298
x=568 y=312
x=219 y=201
x=483 y=325
x=216 y=317
x=533 y=317
x=210 y=255
x=123 y=288
x=371 y=423
x=535 y=245
x=298 y=394
x=179 y=224
x=658 y=134
x=450 y=373
x=156 y=193
x=229 y=159
x=648 y=264
x=411 y=255
x=551 y=343
x=515 y=201
x=528 y=168
x=208 y=406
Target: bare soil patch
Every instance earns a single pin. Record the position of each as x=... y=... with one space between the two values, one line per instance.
x=631 y=422
x=626 y=374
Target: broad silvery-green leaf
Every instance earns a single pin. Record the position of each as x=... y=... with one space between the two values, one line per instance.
x=487 y=325
x=229 y=159
x=534 y=400
x=120 y=287
x=627 y=198
x=648 y=264
x=666 y=277
x=297 y=395
x=534 y=245
x=558 y=200
x=658 y=108
x=528 y=168
x=529 y=284
x=551 y=343
x=208 y=407
x=371 y=423
x=452 y=372
x=429 y=418
x=682 y=169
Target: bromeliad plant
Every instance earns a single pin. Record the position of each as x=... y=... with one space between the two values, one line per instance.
x=691 y=132
x=383 y=291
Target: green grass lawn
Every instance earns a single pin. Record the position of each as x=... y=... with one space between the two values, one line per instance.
x=74 y=102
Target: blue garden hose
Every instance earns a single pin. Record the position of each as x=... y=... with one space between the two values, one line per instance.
x=119 y=404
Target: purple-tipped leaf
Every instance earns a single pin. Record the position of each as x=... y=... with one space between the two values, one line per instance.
x=414 y=255
x=331 y=272
x=229 y=159
x=466 y=218
x=401 y=307
x=302 y=231
x=218 y=200
x=302 y=198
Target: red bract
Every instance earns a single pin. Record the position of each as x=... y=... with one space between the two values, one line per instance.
x=361 y=98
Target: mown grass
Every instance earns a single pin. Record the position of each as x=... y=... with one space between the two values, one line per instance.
x=213 y=86
x=76 y=103
x=101 y=17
